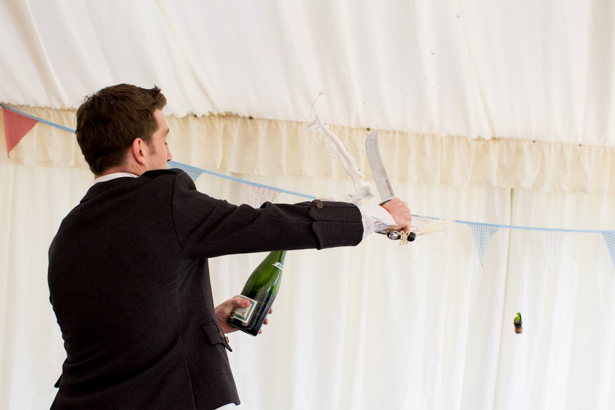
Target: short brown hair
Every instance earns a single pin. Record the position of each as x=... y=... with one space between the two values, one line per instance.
x=111 y=119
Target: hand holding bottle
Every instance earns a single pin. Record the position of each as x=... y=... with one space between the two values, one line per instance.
x=260 y=291
x=223 y=311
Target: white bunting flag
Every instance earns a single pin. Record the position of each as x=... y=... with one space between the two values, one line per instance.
x=609 y=239
x=482 y=235
x=192 y=172
x=552 y=240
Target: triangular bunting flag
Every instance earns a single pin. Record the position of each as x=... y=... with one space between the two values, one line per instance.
x=194 y=173
x=552 y=240
x=609 y=239
x=260 y=195
x=15 y=127
x=482 y=235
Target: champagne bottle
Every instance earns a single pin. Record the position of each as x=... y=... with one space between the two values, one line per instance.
x=260 y=290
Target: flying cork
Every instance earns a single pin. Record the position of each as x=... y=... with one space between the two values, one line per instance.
x=518 y=323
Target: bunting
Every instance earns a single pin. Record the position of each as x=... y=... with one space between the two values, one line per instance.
x=16 y=126
x=552 y=240
x=482 y=235
x=609 y=239
x=192 y=172
x=260 y=195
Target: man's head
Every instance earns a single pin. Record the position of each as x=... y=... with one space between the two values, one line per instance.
x=121 y=120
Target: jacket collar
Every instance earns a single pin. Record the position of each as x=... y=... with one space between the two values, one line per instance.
x=101 y=186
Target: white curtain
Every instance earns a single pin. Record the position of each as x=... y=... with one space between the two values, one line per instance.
x=373 y=326
x=33 y=201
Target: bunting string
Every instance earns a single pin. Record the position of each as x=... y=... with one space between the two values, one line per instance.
x=53 y=124
x=17 y=124
x=195 y=170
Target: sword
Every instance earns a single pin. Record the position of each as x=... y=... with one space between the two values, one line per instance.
x=385 y=190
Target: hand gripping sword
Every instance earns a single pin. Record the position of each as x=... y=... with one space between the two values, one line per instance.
x=385 y=190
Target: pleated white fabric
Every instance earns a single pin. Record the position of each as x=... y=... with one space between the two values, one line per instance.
x=372 y=326
x=270 y=147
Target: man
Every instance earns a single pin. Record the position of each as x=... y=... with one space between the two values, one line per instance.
x=128 y=275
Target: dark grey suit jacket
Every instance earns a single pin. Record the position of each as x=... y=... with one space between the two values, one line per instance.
x=130 y=287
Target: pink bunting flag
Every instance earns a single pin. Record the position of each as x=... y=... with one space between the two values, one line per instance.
x=260 y=195
x=16 y=126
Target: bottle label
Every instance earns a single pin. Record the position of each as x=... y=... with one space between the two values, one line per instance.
x=278 y=265
x=244 y=314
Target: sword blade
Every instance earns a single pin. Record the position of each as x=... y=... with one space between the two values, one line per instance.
x=385 y=190
x=379 y=172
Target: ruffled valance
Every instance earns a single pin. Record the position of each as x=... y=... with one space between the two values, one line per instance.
x=272 y=147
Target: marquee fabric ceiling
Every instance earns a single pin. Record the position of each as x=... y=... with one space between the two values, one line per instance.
x=523 y=70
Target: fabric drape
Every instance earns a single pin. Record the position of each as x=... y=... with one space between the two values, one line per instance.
x=368 y=327
x=270 y=147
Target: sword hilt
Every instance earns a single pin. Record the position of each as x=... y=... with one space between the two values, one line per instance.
x=397 y=235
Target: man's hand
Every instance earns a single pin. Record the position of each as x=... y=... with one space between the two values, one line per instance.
x=400 y=212
x=223 y=311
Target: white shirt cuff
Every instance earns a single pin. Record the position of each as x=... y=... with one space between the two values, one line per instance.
x=375 y=219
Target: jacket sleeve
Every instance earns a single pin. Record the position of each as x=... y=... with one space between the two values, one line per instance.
x=208 y=227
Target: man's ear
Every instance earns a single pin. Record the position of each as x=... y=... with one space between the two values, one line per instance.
x=136 y=149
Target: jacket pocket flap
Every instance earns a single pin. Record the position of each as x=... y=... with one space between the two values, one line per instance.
x=215 y=335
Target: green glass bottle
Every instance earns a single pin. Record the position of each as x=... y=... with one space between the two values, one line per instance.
x=260 y=289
